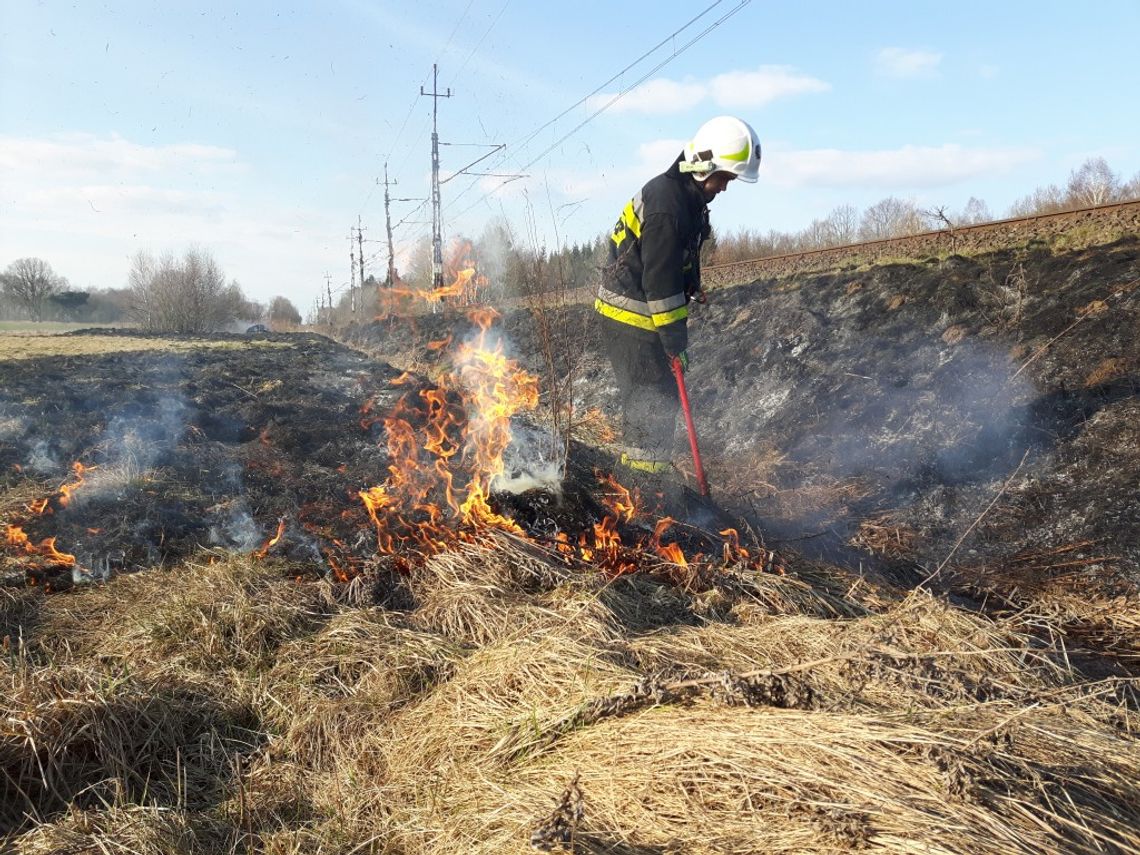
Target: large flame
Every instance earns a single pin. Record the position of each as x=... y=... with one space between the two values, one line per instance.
x=445 y=447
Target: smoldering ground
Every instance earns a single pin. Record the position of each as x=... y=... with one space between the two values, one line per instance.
x=913 y=390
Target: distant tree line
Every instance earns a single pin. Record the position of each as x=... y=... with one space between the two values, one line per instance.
x=1093 y=183
x=168 y=294
x=190 y=294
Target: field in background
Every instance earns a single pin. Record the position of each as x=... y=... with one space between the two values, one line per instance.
x=37 y=345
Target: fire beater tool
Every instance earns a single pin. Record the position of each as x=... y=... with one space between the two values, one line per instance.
x=679 y=373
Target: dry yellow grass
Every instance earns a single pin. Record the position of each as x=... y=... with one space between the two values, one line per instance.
x=37 y=346
x=228 y=707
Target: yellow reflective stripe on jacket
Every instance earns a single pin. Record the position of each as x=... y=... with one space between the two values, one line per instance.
x=623 y=316
x=629 y=222
x=661 y=319
x=630 y=215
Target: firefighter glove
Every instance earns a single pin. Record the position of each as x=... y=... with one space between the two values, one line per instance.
x=683 y=356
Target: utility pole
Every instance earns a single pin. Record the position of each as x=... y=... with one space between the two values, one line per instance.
x=436 y=239
x=328 y=290
x=388 y=227
x=360 y=247
x=351 y=273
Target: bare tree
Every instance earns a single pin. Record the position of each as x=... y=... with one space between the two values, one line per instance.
x=842 y=225
x=283 y=312
x=186 y=296
x=1131 y=190
x=890 y=218
x=1093 y=183
x=936 y=218
x=1043 y=200
x=976 y=211
x=30 y=283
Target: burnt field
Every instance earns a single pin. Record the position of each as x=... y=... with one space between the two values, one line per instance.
x=272 y=593
x=870 y=418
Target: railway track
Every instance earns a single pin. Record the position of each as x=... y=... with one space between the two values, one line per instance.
x=995 y=234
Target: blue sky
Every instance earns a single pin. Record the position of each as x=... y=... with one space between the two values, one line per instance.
x=258 y=130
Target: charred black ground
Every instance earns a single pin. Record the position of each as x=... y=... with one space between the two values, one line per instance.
x=219 y=445
x=866 y=418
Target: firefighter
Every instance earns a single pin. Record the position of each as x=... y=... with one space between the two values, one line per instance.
x=654 y=272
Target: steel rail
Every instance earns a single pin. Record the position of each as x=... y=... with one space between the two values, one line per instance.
x=952 y=231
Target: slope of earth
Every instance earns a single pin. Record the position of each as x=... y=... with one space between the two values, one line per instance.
x=900 y=410
x=297 y=671
x=871 y=417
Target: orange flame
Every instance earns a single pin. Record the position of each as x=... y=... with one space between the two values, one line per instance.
x=269 y=544
x=463 y=287
x=733 y=551
x=66 y=491
x=671 y=552
x=47 y=548
x=17 y=538
x=456 y=452
x=621 y=503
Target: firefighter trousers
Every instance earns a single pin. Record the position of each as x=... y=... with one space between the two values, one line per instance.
x=648 y=390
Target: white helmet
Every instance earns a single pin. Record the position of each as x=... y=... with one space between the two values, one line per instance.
x=723 y=144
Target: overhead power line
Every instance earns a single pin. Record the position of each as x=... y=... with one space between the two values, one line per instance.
x=526 y=138
x=677 y=51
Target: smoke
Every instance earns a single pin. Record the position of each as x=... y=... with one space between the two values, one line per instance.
x=12 y=425
x=42 y=459
x=856 y=419
x=133 y=445
x=534 y=460
x=235 y=527
x=38 y=454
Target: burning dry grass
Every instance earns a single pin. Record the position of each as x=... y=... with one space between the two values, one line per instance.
x=755 y=709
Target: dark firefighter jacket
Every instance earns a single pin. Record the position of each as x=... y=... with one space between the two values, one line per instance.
x=654 y=265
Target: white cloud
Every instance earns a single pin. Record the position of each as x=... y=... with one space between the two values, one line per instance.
x=732 y=89
x=87 y=203
x=758 y=88
x=904 y=63
x=71 y=156
x=654 y=97
x=658 y=154
x=907 y=167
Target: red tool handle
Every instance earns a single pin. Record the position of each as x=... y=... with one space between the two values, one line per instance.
x=679 y=373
